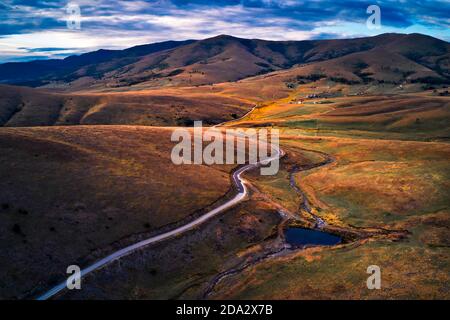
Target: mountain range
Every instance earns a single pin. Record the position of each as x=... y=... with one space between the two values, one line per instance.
x=215 y=80
x=392 y=58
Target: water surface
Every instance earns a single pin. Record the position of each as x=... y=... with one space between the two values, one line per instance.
x=303 y=237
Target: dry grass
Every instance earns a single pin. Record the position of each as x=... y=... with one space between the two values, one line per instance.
x=406 y=117
x=373 y=183
x=171 y=107
x=68 y=192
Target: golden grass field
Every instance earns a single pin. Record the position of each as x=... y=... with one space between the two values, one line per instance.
x=26 y=107
x=73 y=194
x=402 y=116
x=372 y=185
x=392 y=185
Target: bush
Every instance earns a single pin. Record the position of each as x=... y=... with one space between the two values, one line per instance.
x=185 y=122
x=17 y=229
x=430 y=80
x=343 y=80
x=312 y=77
x=22 y=211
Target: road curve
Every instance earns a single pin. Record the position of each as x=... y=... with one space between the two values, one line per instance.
x=241 y=186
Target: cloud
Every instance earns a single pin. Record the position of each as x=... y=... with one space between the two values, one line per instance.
x=124 y=23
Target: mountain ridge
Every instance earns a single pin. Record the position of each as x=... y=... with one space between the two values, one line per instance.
x=219 y=59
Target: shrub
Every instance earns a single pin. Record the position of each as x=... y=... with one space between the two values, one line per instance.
x=310 y=78
x=22 y=211
x=17 y=229
x=185 y=122
x=343 y=80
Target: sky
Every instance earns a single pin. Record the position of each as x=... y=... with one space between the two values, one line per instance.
x=43 y=29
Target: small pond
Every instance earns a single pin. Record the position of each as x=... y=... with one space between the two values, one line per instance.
x=303 y=237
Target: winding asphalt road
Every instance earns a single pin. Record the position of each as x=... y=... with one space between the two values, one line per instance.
x=241 y=186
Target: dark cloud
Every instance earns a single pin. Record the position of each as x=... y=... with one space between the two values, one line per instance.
x=325 y=35
x=23 y=16
x=46 y=49
x=248 y=18
x=206 y=2
x=30 y=25
x=24 y=58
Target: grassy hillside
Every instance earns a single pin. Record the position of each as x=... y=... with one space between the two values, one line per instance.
x=85 y=169
x=93 y=64
x=72 y=194
x=388 y=57
x=400 y=116
x=31 y=107
x=393 y=185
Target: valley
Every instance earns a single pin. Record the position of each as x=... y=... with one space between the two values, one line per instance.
x=364 y=130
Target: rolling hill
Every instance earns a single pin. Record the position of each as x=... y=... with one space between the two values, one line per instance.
x=85 y=178
x=68 y=193
x=94 y=64
x=24 y=107
x=214 y=80
x=400 y=57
